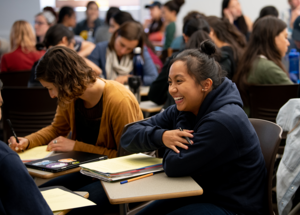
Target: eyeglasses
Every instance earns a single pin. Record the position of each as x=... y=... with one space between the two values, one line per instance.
x=39 y=23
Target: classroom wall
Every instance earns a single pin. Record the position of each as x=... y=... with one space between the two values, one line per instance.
x=250 y=8
x=12 y=10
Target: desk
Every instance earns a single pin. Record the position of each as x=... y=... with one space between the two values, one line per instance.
x=158 y=186
x=150 y=107
x=84 y=194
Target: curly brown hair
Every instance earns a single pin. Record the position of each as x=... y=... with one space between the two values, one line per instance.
x=68 y=72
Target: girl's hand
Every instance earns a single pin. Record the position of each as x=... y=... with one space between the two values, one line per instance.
x=61 y=144
x=228 y=15
x=175 y=138
x=17 y=147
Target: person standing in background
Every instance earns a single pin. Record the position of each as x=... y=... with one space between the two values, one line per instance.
x=155 y=26
x=102 y=33
x=43 y=21
x=24 y=53
x=169 y=13
x=91 y=23
x=231 y=9
x=67 y=17
x=290 y=15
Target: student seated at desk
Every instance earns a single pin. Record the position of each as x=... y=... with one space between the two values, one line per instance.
x=95 y=110
x=60 y=35
x=224 y=157
x=17 y=186
x=115 y=58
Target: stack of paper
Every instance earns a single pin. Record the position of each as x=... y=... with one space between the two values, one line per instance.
x=58 y=200
x=122 y=167
x=35 y=153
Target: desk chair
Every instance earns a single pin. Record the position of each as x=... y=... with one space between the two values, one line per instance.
x=19 y=79
x=29 y=109
x=266 y=100
x=269 y=135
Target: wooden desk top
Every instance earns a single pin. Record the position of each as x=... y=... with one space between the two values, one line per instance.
x=158 y=186
x=82 y=193
x=47 y=175
x=150 y=107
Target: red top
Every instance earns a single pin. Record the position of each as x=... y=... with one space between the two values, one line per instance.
x=19 y=61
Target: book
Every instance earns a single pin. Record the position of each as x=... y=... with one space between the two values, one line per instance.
x=35 y=153
x=122 y=167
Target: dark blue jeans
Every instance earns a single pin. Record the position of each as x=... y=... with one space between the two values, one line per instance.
x=78 y=182
x=186 y=206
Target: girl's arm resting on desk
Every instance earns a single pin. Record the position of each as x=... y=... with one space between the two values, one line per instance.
x=213 y=146
x=147 y=135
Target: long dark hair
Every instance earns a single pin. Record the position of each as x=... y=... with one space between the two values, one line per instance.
x=262 y=42
x=174 y=5
x=111 y=11
x=131 y=30
x=122 y=17
x=65 y=11
x=55 y=34
x=227 y=33
x=240 y=21
x=194 y=24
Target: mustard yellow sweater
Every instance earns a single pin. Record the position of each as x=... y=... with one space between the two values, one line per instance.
x=119 y=108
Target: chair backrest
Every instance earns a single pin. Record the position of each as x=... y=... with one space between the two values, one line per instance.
x=269 y=135
x=18 y=79
x=29 y=109
x=266 y=100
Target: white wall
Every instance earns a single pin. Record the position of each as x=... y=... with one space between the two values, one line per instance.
x=250 y=8
x=13 y=10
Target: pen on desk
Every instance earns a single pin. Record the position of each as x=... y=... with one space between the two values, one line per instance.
x=187 y=139
x=137 y=178
x=13 y=131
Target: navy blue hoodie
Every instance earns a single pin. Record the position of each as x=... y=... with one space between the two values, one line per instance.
x=18 y=193
x=225 y=159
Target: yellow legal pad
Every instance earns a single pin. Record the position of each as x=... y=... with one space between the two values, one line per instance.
x=35 y=153
x=59 y=200
x=122 y=164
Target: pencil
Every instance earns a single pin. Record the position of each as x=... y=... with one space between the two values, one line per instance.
x=137 y=178
x=187 y=139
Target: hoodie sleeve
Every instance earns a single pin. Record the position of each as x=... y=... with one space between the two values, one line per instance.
x=212 y=148
x=147 y=135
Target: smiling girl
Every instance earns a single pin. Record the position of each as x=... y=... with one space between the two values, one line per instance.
x=224 y=158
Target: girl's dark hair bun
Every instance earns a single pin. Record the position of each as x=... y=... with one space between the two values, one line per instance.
x=179 y=2
x=208 y=47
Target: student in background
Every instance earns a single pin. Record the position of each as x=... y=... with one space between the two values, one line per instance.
x=227 y=38
x=24 y=53
x=224 y=143
x=295 y=41
x=155 y=26
x=67 y=17
x=195 y=31
x=118 y=19
x=43 y=21
x=102 y=32
x=29 y=198
x=59 y=35
x=90 y=108
x=290 y=15
x=170 y=11
x=267 y=11
x=115 y=58
x=231 y=9
x=91 y=23
x=178 y=43
x=261 y=62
